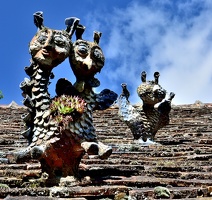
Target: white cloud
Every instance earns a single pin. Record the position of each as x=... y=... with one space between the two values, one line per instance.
x=154 y=38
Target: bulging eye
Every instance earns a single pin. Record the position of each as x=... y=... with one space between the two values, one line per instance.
x=42 y=39
x=97 y=54
x=82 y=49
x=59 y=41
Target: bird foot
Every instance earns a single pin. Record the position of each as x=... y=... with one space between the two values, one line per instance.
x=100 y=149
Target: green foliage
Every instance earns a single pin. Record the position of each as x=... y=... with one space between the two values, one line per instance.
x=65 y=109
x=62 y=108
x=1 y=95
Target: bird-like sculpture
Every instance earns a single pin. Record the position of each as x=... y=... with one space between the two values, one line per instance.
x=144 y=121
x=60 y=130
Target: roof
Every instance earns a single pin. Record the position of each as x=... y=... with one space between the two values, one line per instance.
x=180 y=160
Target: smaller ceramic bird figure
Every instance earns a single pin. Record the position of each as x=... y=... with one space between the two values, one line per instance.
x=144 y=121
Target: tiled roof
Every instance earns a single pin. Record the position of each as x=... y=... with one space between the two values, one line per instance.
x=181 y=159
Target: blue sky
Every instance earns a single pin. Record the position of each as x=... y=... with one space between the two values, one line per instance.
x=172 y=37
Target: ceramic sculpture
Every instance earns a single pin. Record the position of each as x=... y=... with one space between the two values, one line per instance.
x=144 y=121
x=60 y=130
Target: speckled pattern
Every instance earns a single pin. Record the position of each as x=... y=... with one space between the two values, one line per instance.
x=144 y=121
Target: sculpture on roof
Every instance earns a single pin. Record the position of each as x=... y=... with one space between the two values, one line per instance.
x=144 y=121
x=60 y=130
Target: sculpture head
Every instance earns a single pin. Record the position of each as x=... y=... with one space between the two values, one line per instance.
x=51 y=47
x=86 y=58
x=150 y=92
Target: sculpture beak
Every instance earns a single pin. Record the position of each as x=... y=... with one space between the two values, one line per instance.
x=88 y=62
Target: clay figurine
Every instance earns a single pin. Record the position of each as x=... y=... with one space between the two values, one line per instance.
x=144 y=121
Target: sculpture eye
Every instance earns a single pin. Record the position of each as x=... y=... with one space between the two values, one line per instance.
x=59 y=41
x=97 y=54
x=42 y=38
x=82 y=49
